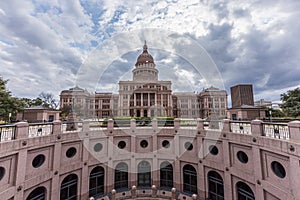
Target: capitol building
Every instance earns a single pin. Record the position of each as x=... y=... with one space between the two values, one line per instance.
x=146 y=96
x=199 y=156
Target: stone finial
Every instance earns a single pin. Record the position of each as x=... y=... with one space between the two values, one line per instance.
x=173 y=193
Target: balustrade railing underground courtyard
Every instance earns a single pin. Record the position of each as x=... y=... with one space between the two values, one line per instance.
x=267 y=129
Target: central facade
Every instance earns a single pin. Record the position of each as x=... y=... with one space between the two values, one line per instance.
x=145 y=95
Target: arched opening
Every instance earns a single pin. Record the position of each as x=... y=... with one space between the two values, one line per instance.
x=215 y=186
x=68 y=188
x=144 y=174
x=189 y=179
x=96 y=186
x=37 y=194
x=121 y=176
x=244 y=192
x=166 y=175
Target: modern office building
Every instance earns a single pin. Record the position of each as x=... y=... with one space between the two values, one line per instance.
x=146 y=96
x=243 y=107
x=242 y=94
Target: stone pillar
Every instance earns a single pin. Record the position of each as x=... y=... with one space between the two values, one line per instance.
x=154 y=191
x=56 y=129
x=132 y=124
x=177 y=124
x=194 y=196
x=133 y=192
x=110 y=125
x=294 y=176
x=173 y=193
x=134 y=101
x=226 y=125
x=257 y=128
x=85 y=126
x=294 y=129
x=21 y=130
x=154 y=123
x=20 y=173
x=149 y=100
x=55 y=186
x=142 y=105
x=200 y=124
x=113 y=194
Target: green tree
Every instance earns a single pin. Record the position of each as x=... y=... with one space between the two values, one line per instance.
x=65 y=111
x=9 y=106
x=291 y=102
x=48 y=100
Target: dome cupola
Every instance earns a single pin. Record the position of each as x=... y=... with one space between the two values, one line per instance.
x=145 y=57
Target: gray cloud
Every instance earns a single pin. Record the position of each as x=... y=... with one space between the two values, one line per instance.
x=43 y=45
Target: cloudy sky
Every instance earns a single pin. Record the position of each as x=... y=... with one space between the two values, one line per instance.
x=47 y=45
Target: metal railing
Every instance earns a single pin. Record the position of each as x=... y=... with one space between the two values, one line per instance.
x=243 y=127
x=40 y=129
x=276 y=130
x=7 y=132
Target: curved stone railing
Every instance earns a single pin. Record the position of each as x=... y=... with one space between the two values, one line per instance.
x=285 y=131
x=142 y=193
x=262 y=145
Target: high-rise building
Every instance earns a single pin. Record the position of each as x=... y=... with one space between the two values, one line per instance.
x=242 y=94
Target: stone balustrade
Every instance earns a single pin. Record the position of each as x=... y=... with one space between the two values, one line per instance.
x=290 y=131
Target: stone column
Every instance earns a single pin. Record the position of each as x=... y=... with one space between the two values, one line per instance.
x=110 y=125
x=142 y=105
x=154 y=123
x=20 y=173
x=226 y=125
x=85 y=126
x=149 y=99
x=154 y=191
x=200 y=124
x=173 y=193
x=257 y=128
x=133 y=192
x=176 y=124
x=56 y=129
x=113 y=194
x=294 y=129
x=132 y=124
x=134 y=100
x=21 y=130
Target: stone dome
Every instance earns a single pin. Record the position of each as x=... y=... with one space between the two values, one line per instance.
x=145 y=57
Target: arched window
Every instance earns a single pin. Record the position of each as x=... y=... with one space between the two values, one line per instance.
x=166 y=175
x=144 y=174
x=215 y=186
x=244 y=192
x=68 y=188
x=189 y=179
x=121 y=176
x=37 y=194
x=96 y=181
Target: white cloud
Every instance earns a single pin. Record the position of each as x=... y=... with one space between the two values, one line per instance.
x=46 y=42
